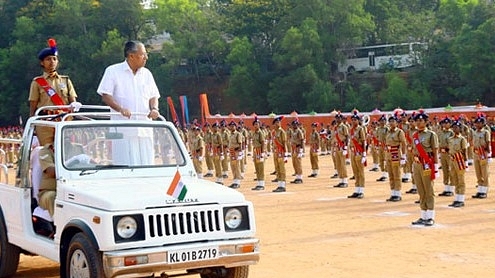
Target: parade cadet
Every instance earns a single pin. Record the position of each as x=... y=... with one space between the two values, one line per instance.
x=406 y=126
x=297 y=143
x=341 y=141
x=425 y=168
x=333 y=148
x=224 y=131
x=444 y=134
x=323 y=140
x=314 y=148
x=279 y=153
x=357 y=146
x=482 y=155
x=50 y=89
x=218 y=152
x=235 y=154
x=457 y=145
x=246 y=137
x=410 y=154
x=259 y=154
x=381 y=133
x=208 y=134
x=395 y=156
x=198 y=151
x=375 y=146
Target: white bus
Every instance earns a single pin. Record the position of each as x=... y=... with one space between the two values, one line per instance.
x=370 y=58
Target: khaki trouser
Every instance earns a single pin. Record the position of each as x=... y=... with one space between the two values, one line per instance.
x=47 y=200
x=481 y=169
x=457 y=178
x=445 y=163
x=425 y=186
x=280 y=167
x=313 y=159
x=357 y=169
x=340 y=164
x=198 y=165
x=218 y=166
x=394 y=175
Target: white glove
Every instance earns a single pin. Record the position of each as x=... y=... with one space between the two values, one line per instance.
x=222 y=157
x=78 y=159
x=437 y=173
x=200 y=158
x=467 y=165
x=489 y=156
x=75 y=106
x=300 y=155
x=287 y=155
x=344 y=152
x=403 y=160
x=363 y=160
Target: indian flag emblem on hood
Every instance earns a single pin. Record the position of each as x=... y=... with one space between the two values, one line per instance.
x=177 y=188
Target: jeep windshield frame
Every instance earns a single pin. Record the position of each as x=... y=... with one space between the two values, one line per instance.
x=102 y=145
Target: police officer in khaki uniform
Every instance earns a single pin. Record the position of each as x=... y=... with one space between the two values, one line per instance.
x=341 y=141
x=235 y=154
x=208 y=150
x=197 y=150
x=258 y=139
x=482 y=156
x=457 y=145
x=357 y=146
x=314 y=148
x=224 y=131
x=218 y=151
x=395 y=156
x=444 y=134
x=425 y=168
x=381 y=133
x=50 y=82
x=279 y=153
x=297 y=143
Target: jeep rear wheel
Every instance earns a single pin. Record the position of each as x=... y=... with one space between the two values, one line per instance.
x=234 y=272
x=82 y=260
x=9 y=253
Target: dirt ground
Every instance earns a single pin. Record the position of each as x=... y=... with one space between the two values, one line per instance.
x=313 y=230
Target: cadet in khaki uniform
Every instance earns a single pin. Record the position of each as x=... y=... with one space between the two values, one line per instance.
x=225 y=139
x=410 y=154
x=60 y=84
x=375 y=146
x=259 y=154
x=218 y=152
x=297 y=143
x=198 y=151
x=395 y=156
x=458 y=164
x=314 y=147
x=279 y=153
x=425 y=168
x=235 y=154
x=357 y=145
x=445 y=159
x=341 y=141
x=406 y=126
x=208 y=150
x=482 y=155
x=381 y=133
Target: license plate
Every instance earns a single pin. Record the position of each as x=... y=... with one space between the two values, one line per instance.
x=191 y=255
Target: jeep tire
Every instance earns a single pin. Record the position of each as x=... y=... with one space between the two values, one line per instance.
x=82 y=259
x=9 y=253
x=234 y=272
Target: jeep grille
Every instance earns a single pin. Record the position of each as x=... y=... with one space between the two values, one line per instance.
x=182 y=223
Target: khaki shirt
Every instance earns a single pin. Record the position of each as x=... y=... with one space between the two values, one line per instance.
x=481 y=138
x=60 y=83
x=358 y=135
x=198 y=145
x=443 y=138
x=259 y=140
x=280 y=141
x=457 y=144
x=235 y=140
x=428 y=139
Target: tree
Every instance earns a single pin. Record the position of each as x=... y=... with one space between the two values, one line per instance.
x=398 y=94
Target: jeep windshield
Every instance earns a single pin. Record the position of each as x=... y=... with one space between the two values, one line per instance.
x=99 y=146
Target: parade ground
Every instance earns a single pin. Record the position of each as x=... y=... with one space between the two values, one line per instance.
x=314 y=230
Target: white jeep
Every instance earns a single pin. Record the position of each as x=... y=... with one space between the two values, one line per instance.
x=128 y=204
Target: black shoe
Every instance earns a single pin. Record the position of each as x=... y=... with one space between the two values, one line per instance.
x=479 y=195
x=258 y=188
x=275 y=180
x=416 y=202
x=429 y=222
x=334 y=176
x=381 y=179
x=297 y=181
x=446 y=193
x=279 y=189
x=208 y=175
x=470 y=164
x=394 y=199
x=235 y=185
x=293 y=175
x=347 y=163
x=219 y=182
x=457 y=204
x=412 y=191
x=312 y=176
x=353 y=178
x=405 y=180
x=273 y=173
x=341 y=185
x=356 y=195
x=225 y=176
x=420 y=221
x=374 y=169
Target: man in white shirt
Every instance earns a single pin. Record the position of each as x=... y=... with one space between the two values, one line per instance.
x=130 y=89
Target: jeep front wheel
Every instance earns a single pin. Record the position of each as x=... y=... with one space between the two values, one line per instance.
x=9 y=253
x=234 y=272
x=82 y=260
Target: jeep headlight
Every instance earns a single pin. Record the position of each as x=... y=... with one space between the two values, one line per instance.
x=236 y=218
x=128 y=228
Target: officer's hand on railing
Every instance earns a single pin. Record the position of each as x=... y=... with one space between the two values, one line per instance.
x=75 y=106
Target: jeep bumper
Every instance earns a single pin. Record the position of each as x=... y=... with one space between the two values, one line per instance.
x=139 y=261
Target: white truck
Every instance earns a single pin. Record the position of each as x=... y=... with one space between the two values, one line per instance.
x=128 y=204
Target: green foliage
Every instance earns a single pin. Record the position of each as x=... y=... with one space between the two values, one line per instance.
x=398 y=94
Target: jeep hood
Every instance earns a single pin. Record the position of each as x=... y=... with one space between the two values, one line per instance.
x=142 y=193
